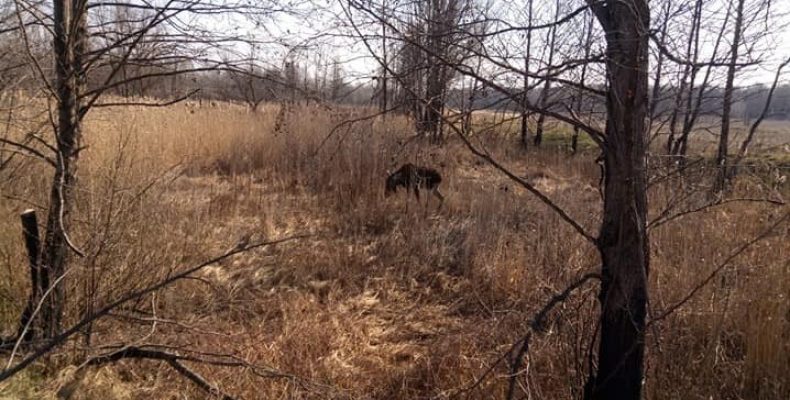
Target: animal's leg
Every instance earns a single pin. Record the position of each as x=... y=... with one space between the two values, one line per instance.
x=439 y=196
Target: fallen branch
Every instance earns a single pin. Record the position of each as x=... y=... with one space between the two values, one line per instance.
x=172 y=359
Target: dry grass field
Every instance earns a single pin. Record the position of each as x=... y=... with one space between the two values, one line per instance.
x=388 y=298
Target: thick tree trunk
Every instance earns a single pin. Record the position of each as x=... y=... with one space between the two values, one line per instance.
x=68 y=45
x=623 y=241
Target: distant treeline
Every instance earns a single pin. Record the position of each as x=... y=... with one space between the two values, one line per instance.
x=295 y=83
x=749 y=101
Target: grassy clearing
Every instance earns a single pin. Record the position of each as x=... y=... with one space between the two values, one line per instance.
x=391 y=299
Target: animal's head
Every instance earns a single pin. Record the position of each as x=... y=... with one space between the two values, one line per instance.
x=391 y=185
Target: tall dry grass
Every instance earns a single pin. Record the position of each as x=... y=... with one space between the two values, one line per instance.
x=390 y=298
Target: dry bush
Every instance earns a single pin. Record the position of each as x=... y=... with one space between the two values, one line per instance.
x=391 y=298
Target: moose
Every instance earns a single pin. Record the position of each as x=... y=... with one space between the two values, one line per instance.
x=413 y=178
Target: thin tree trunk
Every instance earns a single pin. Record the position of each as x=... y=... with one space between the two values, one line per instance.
x=756 y=124
x=656 y=96
x=37 y=286
x=582 y=80
x=524 y=105
x=722 y=161
x=682 y=144
x=525 y=98
x=693 y=111
x=691 y=54
x=384 y=99
x=546 y=92
x=623 y=242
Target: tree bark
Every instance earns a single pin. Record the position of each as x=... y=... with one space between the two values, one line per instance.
x=623 y=242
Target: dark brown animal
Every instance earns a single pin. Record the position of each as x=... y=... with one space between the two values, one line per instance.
x=413 y=178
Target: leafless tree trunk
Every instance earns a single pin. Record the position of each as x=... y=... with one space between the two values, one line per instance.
x=681 y=145
x=69 y=45
x=545 y=94
x=744 y=148
x=622 y=241
x=384 y=56
x=424 y=61
x=579 y=100
x=695 y=95
x=686 y=89
x=525 y=95
x=655 y=98
x=722 y=161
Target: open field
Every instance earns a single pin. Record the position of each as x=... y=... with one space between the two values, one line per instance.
x=771 y=143
x=387 y=298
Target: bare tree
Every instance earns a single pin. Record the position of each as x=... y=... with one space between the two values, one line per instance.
x=525 y=94
x=252 y=84
x=98 y=47
x=744 y=147
x=579 y=100
x=545 y=93
x=622 y=240
x=429 y=44
x=721 y=155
